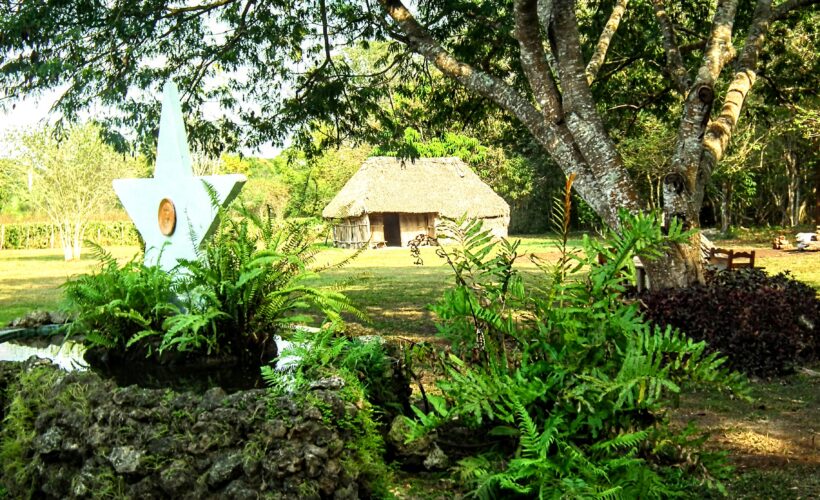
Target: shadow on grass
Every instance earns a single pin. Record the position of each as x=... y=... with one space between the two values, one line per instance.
x=773 y=442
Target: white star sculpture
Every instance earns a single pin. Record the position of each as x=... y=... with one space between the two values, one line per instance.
x=174 y=205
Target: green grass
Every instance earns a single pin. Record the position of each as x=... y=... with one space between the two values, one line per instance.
x=30 y=279
x=395 y=292
x=385 y=283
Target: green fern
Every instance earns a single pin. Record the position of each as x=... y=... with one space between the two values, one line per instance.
x=571 y=374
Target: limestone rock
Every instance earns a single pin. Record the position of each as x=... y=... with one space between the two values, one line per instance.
x=177 y=478
x=224 y=469
x=92 y=437
x=412 y=454
x=125 y=459
x=330 y=383
x=240 y=490
x=436 y=460
x=49 y=442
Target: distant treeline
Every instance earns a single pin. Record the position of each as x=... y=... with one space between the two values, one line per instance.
x=38 y=235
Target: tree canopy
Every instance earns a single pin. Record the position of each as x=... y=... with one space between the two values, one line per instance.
x=575 y=75
x=70 y=178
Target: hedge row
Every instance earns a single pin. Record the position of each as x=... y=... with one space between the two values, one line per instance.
x=33 y=235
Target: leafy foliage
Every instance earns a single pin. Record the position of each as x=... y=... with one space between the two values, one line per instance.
x=362 y=363
x=572 y=374
x=246 y=285
x=116 y=303
x=249 y=282
x=764 y=324
x=70 y=178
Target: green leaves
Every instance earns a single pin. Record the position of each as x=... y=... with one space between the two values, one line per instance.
x=243 y=289
x=117 y=303
x=572 y=375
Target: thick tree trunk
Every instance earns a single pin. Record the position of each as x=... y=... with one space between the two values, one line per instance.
x=681 y=266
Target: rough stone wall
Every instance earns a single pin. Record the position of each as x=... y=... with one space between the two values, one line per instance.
x=93 y=439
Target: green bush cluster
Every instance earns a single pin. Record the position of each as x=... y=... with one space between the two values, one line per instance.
x=40 y=235
x=241 y=290
x=565 y=388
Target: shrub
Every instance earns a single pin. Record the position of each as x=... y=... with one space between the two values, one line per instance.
x=232 y=300
x=764 y=324
x=30 y=235
x=567 y=386
x=114 y=304
x=248 y=283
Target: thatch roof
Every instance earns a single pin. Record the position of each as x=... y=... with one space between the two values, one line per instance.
x=443 y=185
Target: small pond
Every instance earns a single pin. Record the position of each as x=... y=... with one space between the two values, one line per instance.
x=70 y=355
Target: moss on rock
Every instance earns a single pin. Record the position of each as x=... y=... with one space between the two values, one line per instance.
x=75 y=435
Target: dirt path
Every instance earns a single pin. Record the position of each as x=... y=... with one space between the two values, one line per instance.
x=774 y=442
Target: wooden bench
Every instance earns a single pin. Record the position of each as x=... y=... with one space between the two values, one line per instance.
x=723 y=258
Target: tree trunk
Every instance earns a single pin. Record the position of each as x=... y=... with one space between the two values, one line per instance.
x=725 y=207
x=817 y=198
x=793 y=193
x=78 y=238
x=680 y=266
x=65 y=240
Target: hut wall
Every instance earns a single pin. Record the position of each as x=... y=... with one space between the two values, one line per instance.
x=413 y=225
x=377 y=230
x=498 y=225
x=353 y=232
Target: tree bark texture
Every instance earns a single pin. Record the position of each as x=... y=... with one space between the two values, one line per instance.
x=561 y=114
x=599 y=56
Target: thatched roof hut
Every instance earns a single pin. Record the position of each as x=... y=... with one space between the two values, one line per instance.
x=389 y=201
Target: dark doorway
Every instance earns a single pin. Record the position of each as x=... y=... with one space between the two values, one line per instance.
x=392 y=230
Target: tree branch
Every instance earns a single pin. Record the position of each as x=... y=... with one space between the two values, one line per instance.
x=696 y=111
x=579 y=107
x=200 y=8
x=581 y=114
x=325 y=36
x=719 y=49
x=533 y=59
x=674 y=60
x=784 y=9
x=599 y=56
x=720 y=130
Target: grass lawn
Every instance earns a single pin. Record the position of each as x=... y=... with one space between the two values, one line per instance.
x=385 y=283
x=30 y=279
